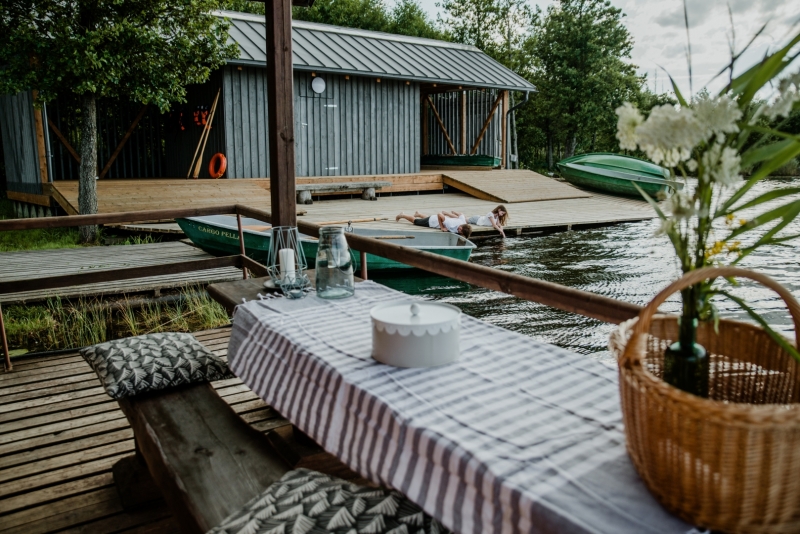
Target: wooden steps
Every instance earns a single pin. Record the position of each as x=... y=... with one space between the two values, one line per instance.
x=58 y=262
x=517 y=185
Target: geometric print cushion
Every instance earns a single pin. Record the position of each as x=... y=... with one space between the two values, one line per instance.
x=152 y=362
x=308 y=502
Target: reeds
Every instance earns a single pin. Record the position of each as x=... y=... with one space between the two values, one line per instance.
x=61 y=324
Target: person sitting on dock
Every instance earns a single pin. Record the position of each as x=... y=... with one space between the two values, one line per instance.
x=457 y=225
x=496 y=218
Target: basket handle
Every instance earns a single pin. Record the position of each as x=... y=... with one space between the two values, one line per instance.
x=693 y=277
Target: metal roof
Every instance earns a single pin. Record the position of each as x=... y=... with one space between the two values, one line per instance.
x=325 y=48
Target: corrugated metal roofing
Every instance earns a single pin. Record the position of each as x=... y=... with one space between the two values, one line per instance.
x=325 y=48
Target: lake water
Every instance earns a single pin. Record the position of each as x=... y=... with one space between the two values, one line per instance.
x=624 y=261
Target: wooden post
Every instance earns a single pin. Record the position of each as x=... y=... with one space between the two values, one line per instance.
x=241 y=244
x=504 y=135
x=122 y=142
x=363 y=265
x=463 y=98
x=425 y=126
x=41 y=152
x=280 y=111
x=4 y=341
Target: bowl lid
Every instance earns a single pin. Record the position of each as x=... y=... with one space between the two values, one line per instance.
x=416 y=316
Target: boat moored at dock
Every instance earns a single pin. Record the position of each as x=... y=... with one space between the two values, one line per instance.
x=219 y=235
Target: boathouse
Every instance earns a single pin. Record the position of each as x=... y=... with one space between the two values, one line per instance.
x=365 y=103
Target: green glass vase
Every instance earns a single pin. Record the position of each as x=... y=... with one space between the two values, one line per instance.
x=686 y=363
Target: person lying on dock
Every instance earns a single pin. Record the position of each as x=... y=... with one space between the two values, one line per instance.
x=457 y=225
x=496 y=218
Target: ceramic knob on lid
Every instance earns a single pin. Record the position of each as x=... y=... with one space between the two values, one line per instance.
x=415 y=334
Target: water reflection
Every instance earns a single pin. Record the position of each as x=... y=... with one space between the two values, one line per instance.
x=624 y=262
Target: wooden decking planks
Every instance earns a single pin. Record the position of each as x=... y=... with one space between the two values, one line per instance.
x=528 y=216
x=56 y=453
x=508 y=186
x=59 y=262
x=150 y=194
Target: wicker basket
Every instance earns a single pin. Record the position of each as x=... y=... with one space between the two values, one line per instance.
x=730 y=462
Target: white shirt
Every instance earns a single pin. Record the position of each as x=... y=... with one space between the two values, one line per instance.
x=452 y=224
x=485 y=220
x=433 y=221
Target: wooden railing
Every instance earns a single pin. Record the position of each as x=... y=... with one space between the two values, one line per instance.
x=564 y=298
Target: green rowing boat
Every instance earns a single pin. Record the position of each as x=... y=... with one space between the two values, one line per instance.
x=616 y=174
x=460 y=160
x=219 y=235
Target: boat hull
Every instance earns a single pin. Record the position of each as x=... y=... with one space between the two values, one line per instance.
x=617 y=175
x=218 y=235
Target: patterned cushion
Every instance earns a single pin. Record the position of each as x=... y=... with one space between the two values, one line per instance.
x=308 y=502
x=155 y=361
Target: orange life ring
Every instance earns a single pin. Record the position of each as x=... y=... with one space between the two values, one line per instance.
x=218 y=165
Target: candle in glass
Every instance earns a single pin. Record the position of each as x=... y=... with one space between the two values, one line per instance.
x=287 y=264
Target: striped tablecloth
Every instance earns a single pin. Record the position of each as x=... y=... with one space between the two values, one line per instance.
x=517 y=436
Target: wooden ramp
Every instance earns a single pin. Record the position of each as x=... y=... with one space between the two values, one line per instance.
x=511 y=186
x=60 y=434
x=45 y=263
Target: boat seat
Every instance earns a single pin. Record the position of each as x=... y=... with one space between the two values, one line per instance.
x=304 y=191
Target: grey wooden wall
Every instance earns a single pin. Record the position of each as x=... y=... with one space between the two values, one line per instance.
x=19 y=143
x=356 y=126
x=478 y=105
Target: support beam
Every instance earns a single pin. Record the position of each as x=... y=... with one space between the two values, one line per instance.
x=280 y=112
x=486 y=123
x=425 y=147
x=463 y=100
x=63 y=140
x=504 y=126
x=122 y=142
x=441 y=125
x=40 y=150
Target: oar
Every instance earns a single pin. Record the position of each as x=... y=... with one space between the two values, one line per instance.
x=354 y=221
x=203 y=140
x=394 y=237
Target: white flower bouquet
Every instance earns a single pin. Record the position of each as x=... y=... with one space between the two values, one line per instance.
x=714 y=138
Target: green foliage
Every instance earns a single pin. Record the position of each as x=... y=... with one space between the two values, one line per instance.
x=143 y=50
x=59 y=324
x=405 y=18
x=581 y=52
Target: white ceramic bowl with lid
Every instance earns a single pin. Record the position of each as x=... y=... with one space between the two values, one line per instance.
x=415 y=333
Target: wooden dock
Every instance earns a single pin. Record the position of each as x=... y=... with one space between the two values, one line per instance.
x=60 y=434
x=58 y=262
x=535 y=202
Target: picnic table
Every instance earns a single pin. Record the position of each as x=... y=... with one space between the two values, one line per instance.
x=517 y=436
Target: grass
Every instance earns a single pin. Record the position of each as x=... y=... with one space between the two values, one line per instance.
x=59 y=324
x=34 y=239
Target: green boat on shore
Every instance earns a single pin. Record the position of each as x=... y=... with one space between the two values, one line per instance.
x=616 y=174
x=460 y=160
x=219 y=235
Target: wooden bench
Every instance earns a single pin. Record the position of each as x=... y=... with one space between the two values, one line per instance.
x=197 y=454
x=304 y=191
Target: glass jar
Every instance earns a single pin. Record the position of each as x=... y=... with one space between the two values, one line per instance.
x=334 y=266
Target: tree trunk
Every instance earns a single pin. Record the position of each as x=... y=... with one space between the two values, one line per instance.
x=569 y=146
x=87 y=185
x=549 y=151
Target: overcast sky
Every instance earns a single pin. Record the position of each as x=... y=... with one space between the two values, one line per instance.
x=659 y=34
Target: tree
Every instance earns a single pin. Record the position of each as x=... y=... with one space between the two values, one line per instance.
x=147 y=51
x=580 y=51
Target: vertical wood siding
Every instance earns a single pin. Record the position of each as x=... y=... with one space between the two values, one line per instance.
x=19 y=143
x=356 y=126
x=478 y=105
